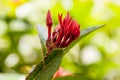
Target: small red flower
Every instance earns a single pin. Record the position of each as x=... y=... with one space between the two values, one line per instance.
x=66 y=31
x=61 y=72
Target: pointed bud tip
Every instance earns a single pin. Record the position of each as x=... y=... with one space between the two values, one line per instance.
x=49 y=19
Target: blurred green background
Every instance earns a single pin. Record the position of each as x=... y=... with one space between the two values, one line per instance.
x=97 y=56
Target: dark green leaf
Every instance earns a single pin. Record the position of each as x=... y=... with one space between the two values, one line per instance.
x=75 y=77
x=45 y=72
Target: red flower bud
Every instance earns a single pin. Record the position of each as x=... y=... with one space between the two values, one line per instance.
x=49 y=19
x=49 y=25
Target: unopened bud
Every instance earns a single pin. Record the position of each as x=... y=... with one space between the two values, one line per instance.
x=48 y=19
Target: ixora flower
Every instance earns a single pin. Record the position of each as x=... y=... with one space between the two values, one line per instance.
x=66 y=31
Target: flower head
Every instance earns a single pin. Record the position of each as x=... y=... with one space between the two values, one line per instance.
x=66 y=31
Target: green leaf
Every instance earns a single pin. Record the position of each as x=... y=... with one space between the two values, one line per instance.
x=45 y=72
x=52 y=62
x=74 y=77
x=42 y=32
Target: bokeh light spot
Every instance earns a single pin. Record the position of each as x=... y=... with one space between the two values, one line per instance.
x=11 y=60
